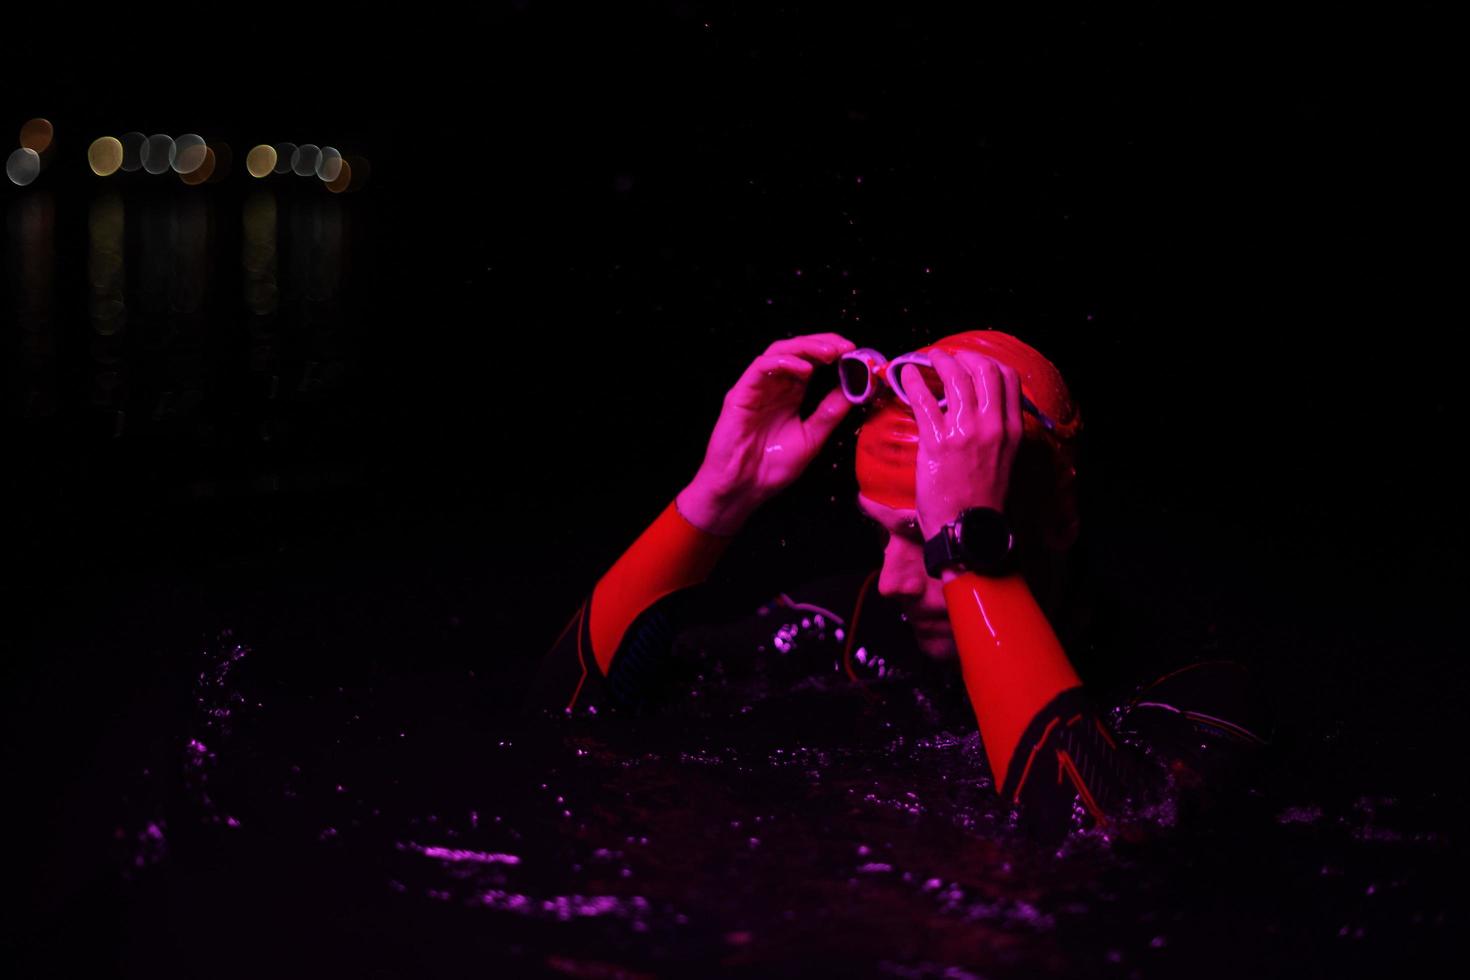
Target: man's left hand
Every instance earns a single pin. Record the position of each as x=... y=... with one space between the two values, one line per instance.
x=966 y=448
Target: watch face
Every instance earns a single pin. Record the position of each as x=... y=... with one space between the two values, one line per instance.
x=985 y=537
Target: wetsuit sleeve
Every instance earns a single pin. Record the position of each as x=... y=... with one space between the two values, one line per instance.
x=613 y=649
x=1051 y=752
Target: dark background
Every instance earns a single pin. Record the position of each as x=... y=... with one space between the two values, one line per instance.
x=1227 y=228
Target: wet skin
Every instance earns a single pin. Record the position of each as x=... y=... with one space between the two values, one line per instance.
x=761 y=444
x=904 y=579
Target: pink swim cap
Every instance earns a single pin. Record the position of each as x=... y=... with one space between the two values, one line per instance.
x=1044 y=474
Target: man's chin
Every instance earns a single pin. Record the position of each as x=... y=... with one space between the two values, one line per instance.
x=938 y=646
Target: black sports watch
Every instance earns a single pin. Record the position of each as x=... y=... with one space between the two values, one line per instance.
x=980 y=540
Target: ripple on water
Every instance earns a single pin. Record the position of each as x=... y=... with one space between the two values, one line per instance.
x=838 y=834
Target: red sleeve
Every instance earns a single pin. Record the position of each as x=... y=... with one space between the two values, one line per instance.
x=1050 y=750
x=595 y=648
x=1013 y=663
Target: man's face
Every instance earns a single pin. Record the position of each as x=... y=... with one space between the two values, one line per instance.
x=904 y=580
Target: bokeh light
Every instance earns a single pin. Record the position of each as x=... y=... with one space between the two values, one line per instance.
x=158 y=153
x=188 y=153
x=133 y=145
x=105 y=155
x=304 y=160
x=284 y=153
x=23 y=166
x=261 y=160
x=201 y=173
x=37 y=134
x=343 y=180
x=330 y=164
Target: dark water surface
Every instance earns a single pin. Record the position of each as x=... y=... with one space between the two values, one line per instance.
x=340 y=784
x=395 y=826
x=300 y=487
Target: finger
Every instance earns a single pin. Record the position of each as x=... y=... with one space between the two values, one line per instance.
x=775 y=370
x=818 y=347
x=989 y=387
x=770 y=376
x=825 y=418
x=959 y=389
x=927 y=413
x=829 y=337
x=1015 y=421
x=784 y=366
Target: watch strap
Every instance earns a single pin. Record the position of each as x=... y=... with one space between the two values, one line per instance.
x=941 y=551
x=947 y=550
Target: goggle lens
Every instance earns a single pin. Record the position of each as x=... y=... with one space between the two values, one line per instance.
x=856 y=376
x=856 y=372
x=930 y=376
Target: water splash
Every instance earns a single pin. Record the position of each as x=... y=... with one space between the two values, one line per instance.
x=219 y=702
x=836 y=833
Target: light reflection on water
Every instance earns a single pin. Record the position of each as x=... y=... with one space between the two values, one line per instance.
x=30 y=271
x=162 y=350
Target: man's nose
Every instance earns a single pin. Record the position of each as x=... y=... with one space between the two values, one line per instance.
x=903 y=574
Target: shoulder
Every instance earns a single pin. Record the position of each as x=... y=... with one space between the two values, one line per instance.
x=1219 y=698
x=835 y=595
x=1205 y=720
x=826 y=606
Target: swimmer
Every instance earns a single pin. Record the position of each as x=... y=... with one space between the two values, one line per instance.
x=966 y=461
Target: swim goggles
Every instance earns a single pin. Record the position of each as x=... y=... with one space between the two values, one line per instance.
x=860 y=371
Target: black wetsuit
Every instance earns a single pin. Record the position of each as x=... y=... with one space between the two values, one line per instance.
x=1185 y=731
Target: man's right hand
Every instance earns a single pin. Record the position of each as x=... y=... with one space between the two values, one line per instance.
x=760 y=443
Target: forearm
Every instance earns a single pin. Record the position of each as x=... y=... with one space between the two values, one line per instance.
x=1048 y=747
x=672 y=554
x=1012 y=661
x=713 y=507
x=614 y=640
